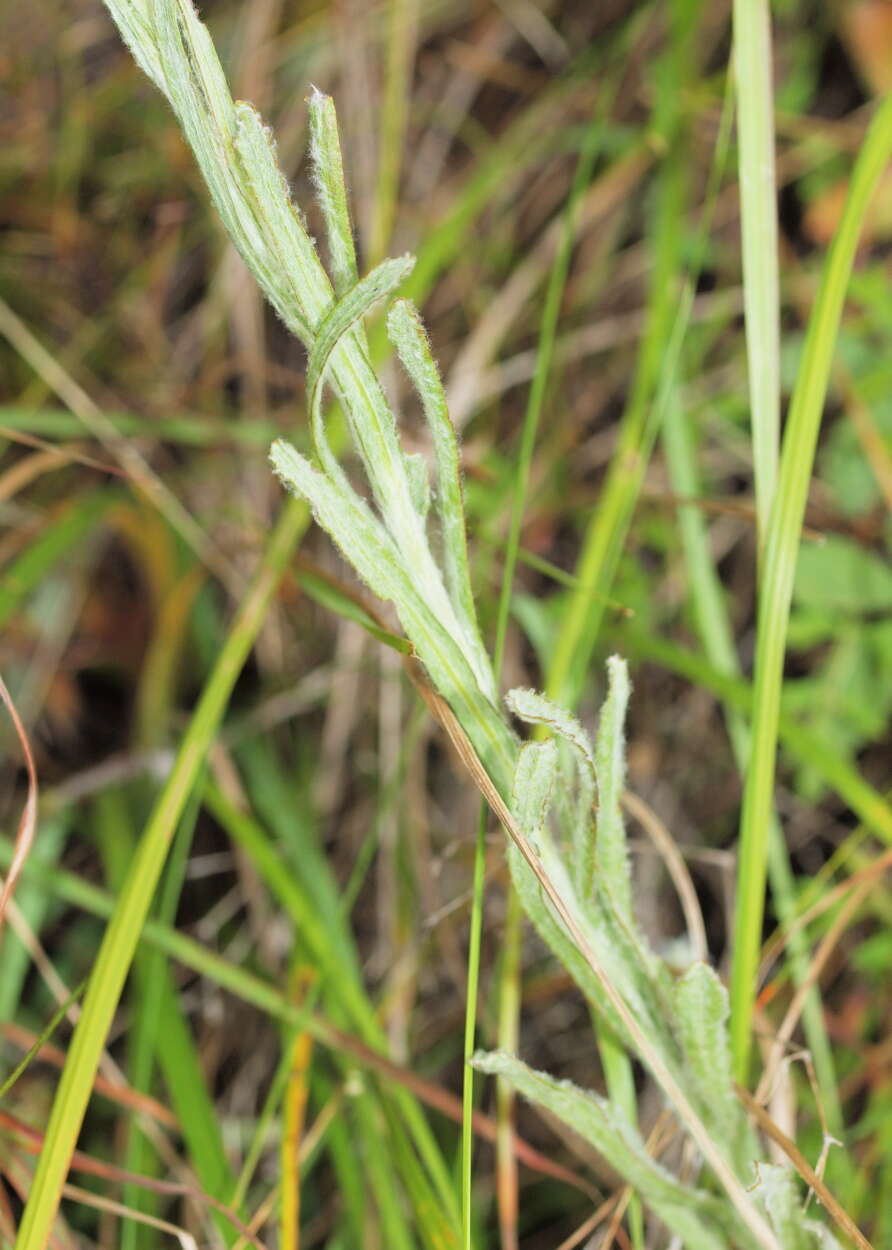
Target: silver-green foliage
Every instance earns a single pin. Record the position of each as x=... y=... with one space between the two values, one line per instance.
x=677 y=1029
x=779 y=1194
x=699 y=1218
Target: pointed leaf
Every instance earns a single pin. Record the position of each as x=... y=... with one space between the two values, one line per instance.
x=611 y=858
x=408 y=336
x=291 y=275
x=534 y=778
x=576 y=807
x=331 y=188
x=419 y=483
x=701 y=1014
x=690 y=1213
x=372 y=551
x=335 y=326
x=779 y=1193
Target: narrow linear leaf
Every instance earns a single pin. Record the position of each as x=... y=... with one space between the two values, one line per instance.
x=779 y=1192
x=611 y=858
x=131 y=908
x=408 y=336
x=777 y=574
x=533 y=787
x=419 y=483
x=373 y=553
x=138 y=35
x=701 y=1015
x=334 y=327
x=537 y=709
x=291 y=276
x=693 y=1215
x=576 y=799
x=753 y=66
x=331 y=189
x=348 y=520
x=197 y=90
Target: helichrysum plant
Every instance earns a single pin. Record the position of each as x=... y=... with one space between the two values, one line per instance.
x=557 y=798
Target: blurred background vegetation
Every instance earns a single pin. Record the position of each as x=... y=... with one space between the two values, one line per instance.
x=328 y=849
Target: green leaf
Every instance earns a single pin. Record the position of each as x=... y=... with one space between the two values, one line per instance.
x=611 y=856
x=578 y=792
x=278 y=251
x=335 y=326
x=701 y=1016
x=779 y=1193
x=183 y=1075
x=537 y=709
x=374 y=554
x=840 y=576
x=692 y=1214
x=531 y=794
x=408 y=336
x=331 y=188
x=419 y=483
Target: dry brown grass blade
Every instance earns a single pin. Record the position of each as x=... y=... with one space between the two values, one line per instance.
x=73 y=453
x=31 y=1140
x=442 y=712
x=842 y=1220
x=24 y=839
x=28 y=470
x=791 y=1019
x=589 y=1225
x=668 y=851
x=779 y=940
x=98 y=1203
x=128 y=457
x=123 y=1095
x=447 y=1104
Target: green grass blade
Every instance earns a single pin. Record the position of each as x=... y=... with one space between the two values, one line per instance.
x=69 y=529
x=192 y=1101
x=402 y=28
x=34 y=907
x=323 y=944
x=753 y=70
x=607 y=529
x=781 y=548
x=714 y=628
x=470 y=1033
x=328 y=939
x=187 y=429
x=121 y=937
